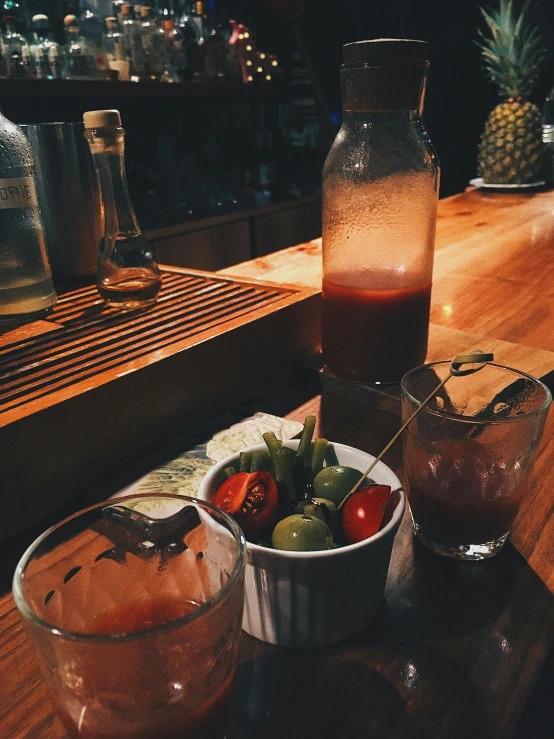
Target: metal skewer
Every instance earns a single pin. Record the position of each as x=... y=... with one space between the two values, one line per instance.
x=478 y=358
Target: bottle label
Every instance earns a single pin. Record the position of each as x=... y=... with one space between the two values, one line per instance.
x=18 y=192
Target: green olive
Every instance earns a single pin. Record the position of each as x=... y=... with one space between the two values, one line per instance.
x=301 y=533
x=318 y=508
x=334 y=483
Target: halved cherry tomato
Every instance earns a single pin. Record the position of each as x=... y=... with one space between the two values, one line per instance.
x=363 y=512
x=251 y=498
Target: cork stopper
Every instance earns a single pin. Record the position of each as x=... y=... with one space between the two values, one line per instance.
x=70 y=20
x=144 y=11
x=384 y=74
x=102 y=119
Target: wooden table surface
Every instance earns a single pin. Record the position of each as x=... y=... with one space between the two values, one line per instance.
x=457 y=649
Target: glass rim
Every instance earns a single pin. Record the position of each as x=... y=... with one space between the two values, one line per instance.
x=472 y=419
x=203 y=608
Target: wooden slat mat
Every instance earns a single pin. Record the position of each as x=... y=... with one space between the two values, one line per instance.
x=86 y=338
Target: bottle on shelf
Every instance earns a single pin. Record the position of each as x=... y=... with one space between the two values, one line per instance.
x=193 y=45
x=26 y=286
x=128 y=276
x=176 y=45
x=113 y=37
x=200 y=20
x=115 y=50
x=154 y=45
x=91 y=24
x=12 y=43
x=131 y=29
x=41 y=45
x=81 y=59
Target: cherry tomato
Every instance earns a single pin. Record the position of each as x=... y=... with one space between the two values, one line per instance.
x=251 y=499
x=363 y=512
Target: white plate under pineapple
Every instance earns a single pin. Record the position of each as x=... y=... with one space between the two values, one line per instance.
x=312 y=599
x=480 y=183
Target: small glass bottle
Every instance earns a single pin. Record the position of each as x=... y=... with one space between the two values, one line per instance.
x=81 y=59
x=131 y=30
x=128 y=276
x=26 y=286
x=41 y=45
x=380 y=192
x=154 y=44
x=13 y=41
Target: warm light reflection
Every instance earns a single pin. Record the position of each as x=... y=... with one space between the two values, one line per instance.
x=249 y=63
x=448 y=310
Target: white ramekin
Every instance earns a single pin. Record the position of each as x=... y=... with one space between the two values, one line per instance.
x=312 y=599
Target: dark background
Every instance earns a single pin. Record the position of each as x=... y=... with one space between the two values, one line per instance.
x=459 y=97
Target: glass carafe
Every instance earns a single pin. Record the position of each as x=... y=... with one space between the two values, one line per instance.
x=128 y=276
x=380 y=191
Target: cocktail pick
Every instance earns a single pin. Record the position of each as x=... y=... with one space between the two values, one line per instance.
x=477 y=358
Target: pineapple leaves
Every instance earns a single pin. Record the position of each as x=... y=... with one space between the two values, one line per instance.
x=511 y=49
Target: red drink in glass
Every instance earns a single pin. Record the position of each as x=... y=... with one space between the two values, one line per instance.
x=135 y=617
x=374 y=334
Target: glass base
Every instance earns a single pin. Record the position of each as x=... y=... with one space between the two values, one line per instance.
x=467 y=552
x=130 y=305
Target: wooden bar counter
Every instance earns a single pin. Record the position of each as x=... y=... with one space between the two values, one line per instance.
x=458 y=650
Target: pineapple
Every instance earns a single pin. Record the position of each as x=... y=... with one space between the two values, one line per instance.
x=510 y=151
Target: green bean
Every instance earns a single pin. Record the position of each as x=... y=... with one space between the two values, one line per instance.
x=283 y=460
x=305 y=445
x=261 y=460
x=318 y=455
x=229 y=471
x=245 y=461
x=273 y=443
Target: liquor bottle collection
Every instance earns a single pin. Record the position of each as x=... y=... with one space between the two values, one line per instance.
x=177 y=43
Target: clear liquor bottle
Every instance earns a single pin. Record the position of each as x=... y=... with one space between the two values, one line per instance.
x=131 y=29
x=128 y=276
x=154 y=44
x=26 y=286
x=42 y=43
x=12 y=41
x=113 y=38
x=81 y=57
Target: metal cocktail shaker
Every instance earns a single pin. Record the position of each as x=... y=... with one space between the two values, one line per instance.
x=69 y=198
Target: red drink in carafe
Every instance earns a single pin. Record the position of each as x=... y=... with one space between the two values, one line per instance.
x=377 y=334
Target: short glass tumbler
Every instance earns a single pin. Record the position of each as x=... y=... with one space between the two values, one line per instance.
x=468 y=453
x=134 y=610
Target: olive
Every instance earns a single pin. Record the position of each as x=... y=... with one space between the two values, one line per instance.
x=334 y=483
x=318 y=508
x=301 y=533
